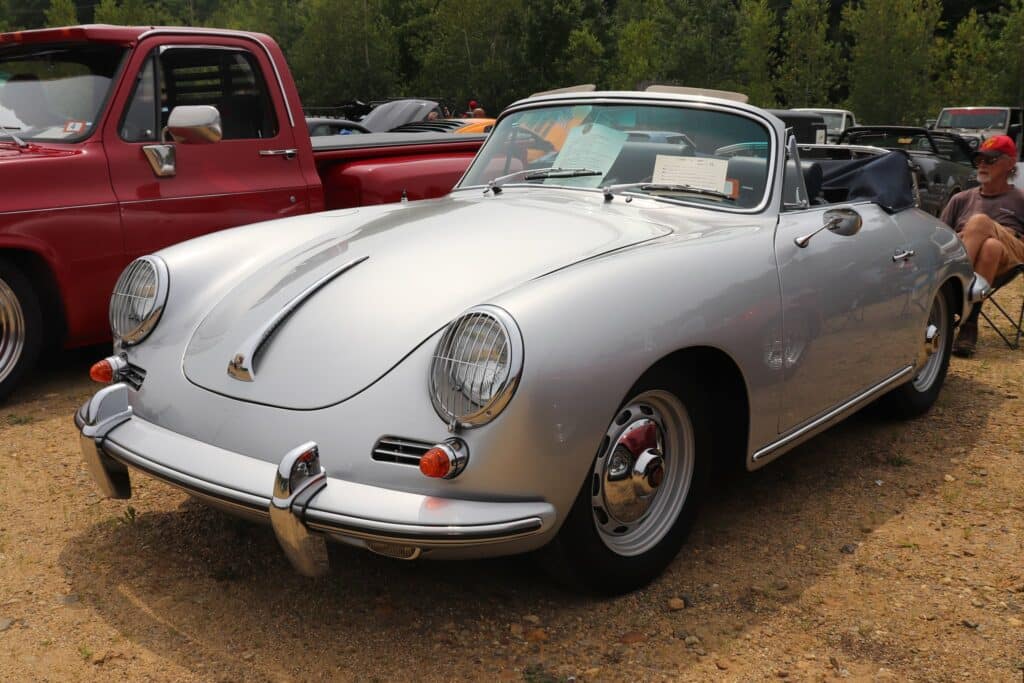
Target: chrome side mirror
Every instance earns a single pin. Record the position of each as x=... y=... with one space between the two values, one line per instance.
x=842 y=221
x=195 y=124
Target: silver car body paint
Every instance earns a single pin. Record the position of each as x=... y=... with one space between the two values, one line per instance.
x=601 y=290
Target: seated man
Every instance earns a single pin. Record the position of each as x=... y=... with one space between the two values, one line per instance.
x=990 y=221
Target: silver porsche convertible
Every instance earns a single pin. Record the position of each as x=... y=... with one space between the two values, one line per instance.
x=624 y=289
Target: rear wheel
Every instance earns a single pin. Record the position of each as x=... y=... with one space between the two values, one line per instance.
x=917 y=396
x=20 y=327
x=640 y=497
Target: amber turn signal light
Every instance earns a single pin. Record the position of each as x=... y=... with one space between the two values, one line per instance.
x=102 y=371
x=445 y=460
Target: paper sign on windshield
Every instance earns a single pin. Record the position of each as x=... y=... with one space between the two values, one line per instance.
x=591 y=146
x=707 y=174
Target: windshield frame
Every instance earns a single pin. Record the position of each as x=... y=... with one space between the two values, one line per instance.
x=746 y=111
x=101 y=112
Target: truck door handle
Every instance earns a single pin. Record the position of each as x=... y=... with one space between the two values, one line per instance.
x=902 y=254
x=286 y=153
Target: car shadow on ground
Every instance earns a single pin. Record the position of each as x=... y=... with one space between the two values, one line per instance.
x=58 y=372
x=215 y=594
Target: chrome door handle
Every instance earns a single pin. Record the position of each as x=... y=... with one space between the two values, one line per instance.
x=286 y=153
x=902 y=254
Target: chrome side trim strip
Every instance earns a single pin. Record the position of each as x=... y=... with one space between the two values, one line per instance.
x=231 y=34
x=242 y=365
x=819 y=423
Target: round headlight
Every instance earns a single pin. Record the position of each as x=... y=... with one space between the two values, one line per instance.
x=138 y=299
x=476 y=367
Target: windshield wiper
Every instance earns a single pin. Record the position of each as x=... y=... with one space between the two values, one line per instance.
x=538 y=174
x=21 y=143
x=611 y=190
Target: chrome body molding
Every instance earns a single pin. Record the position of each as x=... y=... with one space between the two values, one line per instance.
x=302 y=503
x=822 y=422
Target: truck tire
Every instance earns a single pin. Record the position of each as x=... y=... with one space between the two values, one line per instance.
x=626 y=527
x=21 y=327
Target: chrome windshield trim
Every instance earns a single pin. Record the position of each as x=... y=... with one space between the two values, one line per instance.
x=823 y=420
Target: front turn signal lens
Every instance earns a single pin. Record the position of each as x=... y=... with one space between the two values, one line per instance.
x=102 y=371
x=445 y=460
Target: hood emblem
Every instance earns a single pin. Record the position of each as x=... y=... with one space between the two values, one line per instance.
x=243 y=365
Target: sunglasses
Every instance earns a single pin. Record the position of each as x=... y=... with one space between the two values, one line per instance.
x=987 y=161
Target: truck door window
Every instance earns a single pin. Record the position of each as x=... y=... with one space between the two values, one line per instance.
x=140 y=120
x=227 y=79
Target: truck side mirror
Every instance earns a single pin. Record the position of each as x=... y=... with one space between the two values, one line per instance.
x=194 y=124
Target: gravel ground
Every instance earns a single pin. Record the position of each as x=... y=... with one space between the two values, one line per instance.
x=878 y=551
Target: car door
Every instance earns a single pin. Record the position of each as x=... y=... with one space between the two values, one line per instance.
x=249 y=175
x=845 y=305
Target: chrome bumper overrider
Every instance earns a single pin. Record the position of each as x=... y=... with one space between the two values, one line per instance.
x=301 y=501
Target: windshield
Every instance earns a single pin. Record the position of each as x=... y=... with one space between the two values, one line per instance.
x=888 y=139
x=834 y=122
x=50 y=92
x=977 y=119
x=686 y=153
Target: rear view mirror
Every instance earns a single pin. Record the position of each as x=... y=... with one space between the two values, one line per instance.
x=196 y=124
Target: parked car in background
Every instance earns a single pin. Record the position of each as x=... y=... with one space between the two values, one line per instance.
x=942 y=162
x=552 y=356
x=389 y=115
x=91 y=180
x=976 y=124
x=320 y=126
x=809 y=127
x=836 y=121
x=446 y=126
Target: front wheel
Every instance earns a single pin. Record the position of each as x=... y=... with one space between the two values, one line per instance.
x=20 y=327
x=641 y=494
x=917 y=396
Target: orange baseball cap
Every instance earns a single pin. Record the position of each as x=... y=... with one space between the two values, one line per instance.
x=998 y=145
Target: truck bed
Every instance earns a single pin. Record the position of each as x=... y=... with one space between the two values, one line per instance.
x=388 y=144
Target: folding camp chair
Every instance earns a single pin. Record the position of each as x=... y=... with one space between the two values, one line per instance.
x=1015 y=325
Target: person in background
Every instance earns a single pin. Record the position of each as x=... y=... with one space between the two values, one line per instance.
x=990 y=221
x=479 y=113
x=473 y=104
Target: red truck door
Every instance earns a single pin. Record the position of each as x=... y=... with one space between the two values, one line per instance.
x=250 y=175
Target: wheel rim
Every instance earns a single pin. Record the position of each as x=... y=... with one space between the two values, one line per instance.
x=934 y=344
x=12 y=330
x=642 y=474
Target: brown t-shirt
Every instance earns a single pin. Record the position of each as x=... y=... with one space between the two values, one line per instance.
x=1007 y=209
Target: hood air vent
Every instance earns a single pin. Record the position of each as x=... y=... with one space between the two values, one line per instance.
x=400 y=450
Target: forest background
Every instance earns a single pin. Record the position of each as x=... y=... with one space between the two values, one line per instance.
x=890 y=61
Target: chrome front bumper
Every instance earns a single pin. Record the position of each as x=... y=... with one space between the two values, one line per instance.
x=303 y=503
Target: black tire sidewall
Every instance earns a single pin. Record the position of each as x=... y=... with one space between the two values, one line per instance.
x=30 y=310
x=580 y=559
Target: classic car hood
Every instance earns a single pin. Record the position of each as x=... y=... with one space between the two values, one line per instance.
x=339 y=311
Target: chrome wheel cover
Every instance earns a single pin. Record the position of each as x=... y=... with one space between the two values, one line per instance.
x=12 y=330
x=643 y=473
x=934 y=341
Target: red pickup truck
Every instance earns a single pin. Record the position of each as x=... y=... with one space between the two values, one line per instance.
x=118 y=141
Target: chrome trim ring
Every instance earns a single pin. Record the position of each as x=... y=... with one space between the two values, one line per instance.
x=449 y=397
x=642 y=475
x=12 y=330
x=934 y=339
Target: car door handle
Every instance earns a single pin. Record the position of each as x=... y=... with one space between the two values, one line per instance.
x=286 y=153
x=902 y=254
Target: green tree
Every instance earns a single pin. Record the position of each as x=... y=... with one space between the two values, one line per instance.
x=757 y=31
x=810 y=60
x=975 y=64
x=134 y=13
x=1011 y=37
x=892 y=61
x=61 y=13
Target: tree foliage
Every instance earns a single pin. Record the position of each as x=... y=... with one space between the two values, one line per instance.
x=810 y=60
x=757 y=33
x=61 y=13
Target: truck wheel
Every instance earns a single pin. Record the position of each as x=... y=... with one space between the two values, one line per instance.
x=21 y=327
x=640 y=497
x=917 y=396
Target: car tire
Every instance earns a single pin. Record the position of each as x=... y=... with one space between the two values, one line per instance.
x=21 y=327
x=617 y=539
x=915 y=397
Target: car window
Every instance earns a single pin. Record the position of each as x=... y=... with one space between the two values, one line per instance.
x=724 y=154
x=227 y=79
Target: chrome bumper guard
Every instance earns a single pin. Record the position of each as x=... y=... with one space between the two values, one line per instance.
x=303 y=504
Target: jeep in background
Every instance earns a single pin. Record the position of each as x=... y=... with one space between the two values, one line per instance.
x=976 y=124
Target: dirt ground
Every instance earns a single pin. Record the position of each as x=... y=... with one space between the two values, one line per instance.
x=879 y=551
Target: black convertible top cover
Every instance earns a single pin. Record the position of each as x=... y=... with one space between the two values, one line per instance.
x=884 y=180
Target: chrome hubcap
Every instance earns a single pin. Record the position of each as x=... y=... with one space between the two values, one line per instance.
x=12 y=330
x=643 y=473
x=934 y=338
